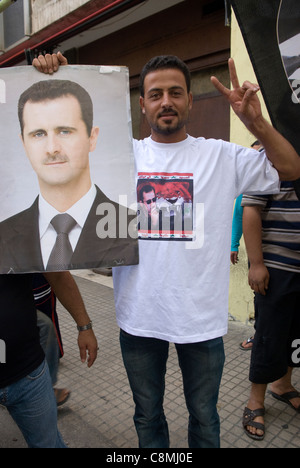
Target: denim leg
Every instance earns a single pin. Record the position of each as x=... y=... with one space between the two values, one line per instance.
x=145 y=362
x=202 y=367
x=31 y=403
x=49 y=343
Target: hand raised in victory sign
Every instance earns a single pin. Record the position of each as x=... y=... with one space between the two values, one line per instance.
x=243 y=99
x=245 y=103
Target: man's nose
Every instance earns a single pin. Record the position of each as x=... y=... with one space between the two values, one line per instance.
x=166 y=101
x=53 y=144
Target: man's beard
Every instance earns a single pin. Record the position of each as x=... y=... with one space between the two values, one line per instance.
x=169 y=129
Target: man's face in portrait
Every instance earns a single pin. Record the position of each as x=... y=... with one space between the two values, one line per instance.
x=149 y=200
x=57 y=143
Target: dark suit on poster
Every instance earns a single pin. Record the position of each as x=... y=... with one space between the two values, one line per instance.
x=20 y=250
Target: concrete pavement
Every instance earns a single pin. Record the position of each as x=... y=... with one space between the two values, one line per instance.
x=99 y=412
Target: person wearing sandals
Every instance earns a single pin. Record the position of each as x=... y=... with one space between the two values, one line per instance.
x=237 y=232
x=246 y=345
x=272 y=236
x=50 y=335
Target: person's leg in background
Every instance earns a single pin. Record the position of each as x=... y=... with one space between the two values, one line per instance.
x=32 y=405
x=49 y=343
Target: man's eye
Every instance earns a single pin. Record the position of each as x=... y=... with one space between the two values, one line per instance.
x=39 y=134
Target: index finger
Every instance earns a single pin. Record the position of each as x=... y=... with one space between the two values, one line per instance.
x=233 y=74
x=221 y=88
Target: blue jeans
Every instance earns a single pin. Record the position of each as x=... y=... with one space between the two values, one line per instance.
x=201 y=365
x=32 y=405
x=49 y=343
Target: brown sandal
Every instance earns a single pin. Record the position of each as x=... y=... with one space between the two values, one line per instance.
x=62 y=395
x=248 y=420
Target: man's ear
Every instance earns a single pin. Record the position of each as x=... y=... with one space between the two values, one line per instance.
x=142 y=105
x=94 y=138
x=190 y=101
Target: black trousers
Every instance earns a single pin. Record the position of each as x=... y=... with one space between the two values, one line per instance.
x=277 y=328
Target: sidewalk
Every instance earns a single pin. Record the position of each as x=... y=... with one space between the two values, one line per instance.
x=99 y=412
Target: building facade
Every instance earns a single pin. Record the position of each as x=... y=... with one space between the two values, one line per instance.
x=129 y=32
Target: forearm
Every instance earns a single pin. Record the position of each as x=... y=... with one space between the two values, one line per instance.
x=279 y=151
x=68 y=294
x=237 y=225
x=258 y=273
x=252 y=228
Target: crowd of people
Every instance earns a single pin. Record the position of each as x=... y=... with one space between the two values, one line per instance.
x=270 y=224
x=192 y=313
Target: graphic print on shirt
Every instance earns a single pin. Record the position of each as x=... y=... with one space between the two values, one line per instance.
x=165 y=206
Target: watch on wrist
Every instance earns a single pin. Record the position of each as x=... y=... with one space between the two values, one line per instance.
x=85 y=327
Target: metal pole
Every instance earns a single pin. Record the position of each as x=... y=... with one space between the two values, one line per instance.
x=5 y=4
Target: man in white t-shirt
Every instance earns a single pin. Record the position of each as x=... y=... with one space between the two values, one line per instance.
x=179 y=291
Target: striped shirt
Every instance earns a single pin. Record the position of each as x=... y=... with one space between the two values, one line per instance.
x=280 y=227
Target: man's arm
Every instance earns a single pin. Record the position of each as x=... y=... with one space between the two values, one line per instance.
x=245 y=103
x=237 y=230
x=67 y=292
x=252 y=227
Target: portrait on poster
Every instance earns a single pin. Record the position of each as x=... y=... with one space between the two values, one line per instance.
x=288 y=32
x=67 y=185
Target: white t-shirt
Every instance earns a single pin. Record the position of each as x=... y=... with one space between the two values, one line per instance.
x=179 y=290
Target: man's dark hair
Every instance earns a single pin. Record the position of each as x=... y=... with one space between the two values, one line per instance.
x=146 y=189
x=54 y=89
x=165 y=62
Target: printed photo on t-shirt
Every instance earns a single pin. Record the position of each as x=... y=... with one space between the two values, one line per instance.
x=165 y=206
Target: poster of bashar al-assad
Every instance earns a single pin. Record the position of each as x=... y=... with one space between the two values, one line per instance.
x=271 y=31
x=67 y=188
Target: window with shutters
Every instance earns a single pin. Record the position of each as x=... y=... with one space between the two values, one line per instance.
x=14 y=24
